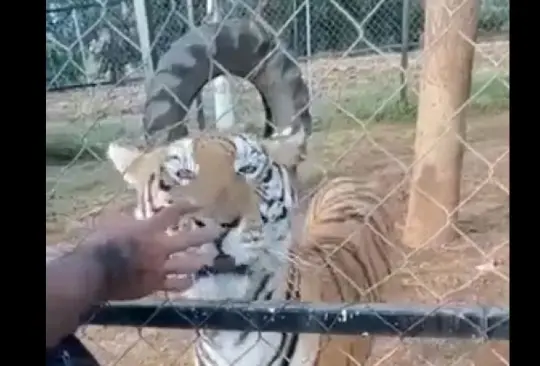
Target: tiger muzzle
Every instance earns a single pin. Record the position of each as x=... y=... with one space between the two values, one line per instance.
x=223 y=263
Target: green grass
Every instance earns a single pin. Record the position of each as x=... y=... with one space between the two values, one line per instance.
x=83 y=141
x=380 y=101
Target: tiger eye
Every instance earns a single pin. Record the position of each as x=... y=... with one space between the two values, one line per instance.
x=199 y=223
x=164 y=186
x=248 y=169
x=231 y=225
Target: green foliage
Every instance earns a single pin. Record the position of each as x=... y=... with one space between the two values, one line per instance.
x=381 y=102
x=113 y=28
x=356 y=24
x=59 y=70
x=370 y=23
x=82 y=141
x=494 y=16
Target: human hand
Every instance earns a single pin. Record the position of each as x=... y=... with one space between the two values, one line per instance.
x=135 y=255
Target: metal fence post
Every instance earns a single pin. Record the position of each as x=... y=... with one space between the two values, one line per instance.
x=222 y=91
x=405 y=21
x=308 y=50
x=144 y=37
x=199 y=108
x=80 y=43
x=295 y=29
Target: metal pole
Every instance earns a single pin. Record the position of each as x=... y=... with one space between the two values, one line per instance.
x=308 y=50
x=222 y=90
x=405 y=17
x=199 y=108
x=144 y=37
x=81 y=43
x=191 y=16
x=295 y=28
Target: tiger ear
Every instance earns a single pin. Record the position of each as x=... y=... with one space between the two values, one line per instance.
x=123 y=159
x=287 y=148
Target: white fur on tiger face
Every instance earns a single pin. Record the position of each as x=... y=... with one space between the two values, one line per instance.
x=258 y=230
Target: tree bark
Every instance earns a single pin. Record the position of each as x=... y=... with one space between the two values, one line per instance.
x=445 y=81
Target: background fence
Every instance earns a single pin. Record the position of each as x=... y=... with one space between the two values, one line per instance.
x=352 y=54
x=91 y=42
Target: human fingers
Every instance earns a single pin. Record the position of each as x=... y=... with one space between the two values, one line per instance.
x=113 y=221
x=170 y=215
x=186 y=263
x=177 y=283
x=193 y=238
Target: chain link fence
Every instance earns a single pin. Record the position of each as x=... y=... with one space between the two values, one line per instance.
x=89 y=42
x=362 y=67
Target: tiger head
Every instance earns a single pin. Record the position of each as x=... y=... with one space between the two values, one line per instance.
x=242 y=184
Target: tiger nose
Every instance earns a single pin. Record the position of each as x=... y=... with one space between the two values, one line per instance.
x=224 y=262
x=219 y=243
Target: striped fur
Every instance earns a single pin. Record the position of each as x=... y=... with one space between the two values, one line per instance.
x=346 y=238
x=232 y=176
x=235 y=175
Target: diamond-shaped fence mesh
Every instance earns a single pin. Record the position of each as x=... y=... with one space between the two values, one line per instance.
x=357 y=70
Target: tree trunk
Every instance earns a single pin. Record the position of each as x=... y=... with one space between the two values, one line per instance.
x=449 y=36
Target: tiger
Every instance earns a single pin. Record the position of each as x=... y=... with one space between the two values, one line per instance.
x=344 y=246
x=248 y=186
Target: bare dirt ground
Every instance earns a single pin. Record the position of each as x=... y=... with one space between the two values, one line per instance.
x=474 y=270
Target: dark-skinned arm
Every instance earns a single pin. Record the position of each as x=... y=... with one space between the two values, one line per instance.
x=74 y=283
x=129 y=262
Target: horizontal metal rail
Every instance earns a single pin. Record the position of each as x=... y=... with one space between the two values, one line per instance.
x=301 y=317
